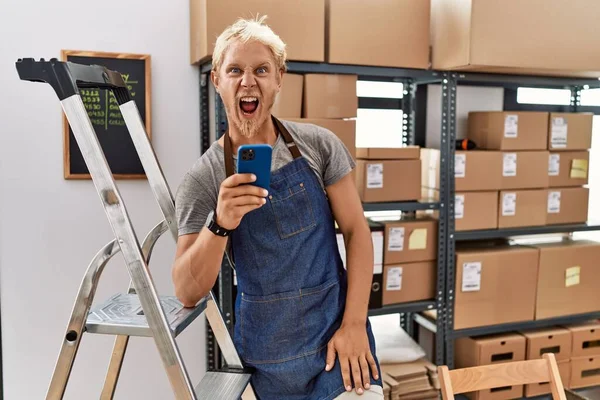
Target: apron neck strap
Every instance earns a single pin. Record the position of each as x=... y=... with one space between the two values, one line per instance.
x=279 y=127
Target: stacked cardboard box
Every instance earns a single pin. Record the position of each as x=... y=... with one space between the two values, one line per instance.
x=326 y=100
x=569 y=140
x=415 y=380
x=528 y=170
x=492 y=349
x=388 y=174
x=409 y=258
x=585 y=354
x=545 y=280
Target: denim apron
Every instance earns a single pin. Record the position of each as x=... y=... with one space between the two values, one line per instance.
x=291 y=285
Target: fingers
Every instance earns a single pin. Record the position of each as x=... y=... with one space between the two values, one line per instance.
x=356 y=375
x=364 y=368
x=238 y=179
x=244 y=190
x=373 y=364
x=330 y=359
x=345 y=366
x=248 y=201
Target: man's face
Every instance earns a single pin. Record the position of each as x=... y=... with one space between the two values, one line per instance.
x=248 y=82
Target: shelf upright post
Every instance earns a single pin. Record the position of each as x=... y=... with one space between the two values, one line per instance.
x=575 y=98
x=446 y=263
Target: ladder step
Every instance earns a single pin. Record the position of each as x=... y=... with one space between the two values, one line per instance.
x=122 y=314
x=217 y=385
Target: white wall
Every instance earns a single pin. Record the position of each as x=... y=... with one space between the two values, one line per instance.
x=51 y=228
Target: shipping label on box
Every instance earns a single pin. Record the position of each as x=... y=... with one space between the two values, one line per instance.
x=396 y=239
x=460 y=161
x=394 y=279
x=558 y=133
x=509 y=204
x=459 y=206
x=374 y=176
x=409 y=282
x=471 y=281
x=553 y=202
x=554 y=165
x=511 y=126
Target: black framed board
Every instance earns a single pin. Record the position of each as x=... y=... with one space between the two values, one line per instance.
x=106 y=117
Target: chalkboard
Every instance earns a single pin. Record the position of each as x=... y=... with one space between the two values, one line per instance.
x=106 y=118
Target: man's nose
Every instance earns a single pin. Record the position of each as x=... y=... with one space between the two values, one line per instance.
x=248 y=79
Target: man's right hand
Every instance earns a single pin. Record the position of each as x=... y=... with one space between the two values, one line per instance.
x=236 y=199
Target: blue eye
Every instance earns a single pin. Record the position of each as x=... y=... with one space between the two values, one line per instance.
x=262 y=70
x=234 y=70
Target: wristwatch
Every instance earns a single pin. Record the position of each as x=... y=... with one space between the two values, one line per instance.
x=211 y=224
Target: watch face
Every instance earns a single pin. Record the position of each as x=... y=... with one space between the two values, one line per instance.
x=210 y=217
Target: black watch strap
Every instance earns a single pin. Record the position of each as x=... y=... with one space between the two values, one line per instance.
x=211 y=224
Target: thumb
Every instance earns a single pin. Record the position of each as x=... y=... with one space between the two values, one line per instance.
x=330 y=360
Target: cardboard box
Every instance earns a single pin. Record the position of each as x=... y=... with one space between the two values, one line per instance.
x=498 y=36
x=208 y=18
x=410 y=240
x=585 y=372
x=551 y=340
x=391 y=153
x=519 y=208
x=538 y=389
x=568 y=168
x=472 y=210
x=485 y=350
x=567 y=281
x=288 y=103
x=524 y=170
x=384 y=23
x=586 y=339
x=474 y=170
x=409 y=282
x=484 y=276
x=377 y=180
x=509 y=130
x=567 y=205
x=570 y=131
x=330 y=96
x=345 y=129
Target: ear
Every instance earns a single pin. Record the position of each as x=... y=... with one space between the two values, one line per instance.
x=280 y=79
x=214 y=77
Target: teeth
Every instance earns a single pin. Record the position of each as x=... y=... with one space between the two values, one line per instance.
x=249 y=99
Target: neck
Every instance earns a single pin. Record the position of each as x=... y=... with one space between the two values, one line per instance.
x=266 y=135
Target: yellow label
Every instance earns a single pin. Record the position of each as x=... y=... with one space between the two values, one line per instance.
x=579 y=169
x=418 y=239
x=572 y=276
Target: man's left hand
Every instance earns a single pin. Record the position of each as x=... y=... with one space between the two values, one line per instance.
x=351 y=344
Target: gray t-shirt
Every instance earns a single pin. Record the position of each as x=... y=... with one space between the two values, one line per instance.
x=198 y=193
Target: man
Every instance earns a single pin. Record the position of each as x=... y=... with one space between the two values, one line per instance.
x=301 y=319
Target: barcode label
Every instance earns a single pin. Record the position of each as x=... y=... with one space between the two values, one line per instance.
x=396 y=239
x=558 y=133
x=509 y=164
x=394 y=279
x=509 y=204
x=553 y=202
x=471 y=280
x=459 y=206
x=460 y=164
x=511 y=126
x=554 y=165
x=374 y=176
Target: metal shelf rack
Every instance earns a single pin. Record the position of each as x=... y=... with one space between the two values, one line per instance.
x=212 y=114
x=449 y=94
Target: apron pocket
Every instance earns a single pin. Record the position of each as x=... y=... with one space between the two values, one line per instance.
x=271 y=329
x=293 y=210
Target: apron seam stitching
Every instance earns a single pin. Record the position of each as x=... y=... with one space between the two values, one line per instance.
x=257 y=362
x=291 y=297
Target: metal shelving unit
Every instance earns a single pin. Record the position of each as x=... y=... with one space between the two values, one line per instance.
x=212 y=115
x=576 y=85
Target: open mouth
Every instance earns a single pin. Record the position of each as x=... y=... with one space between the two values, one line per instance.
x=248 y=105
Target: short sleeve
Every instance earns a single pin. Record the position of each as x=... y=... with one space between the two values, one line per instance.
x=193 y=203
x=336 y=159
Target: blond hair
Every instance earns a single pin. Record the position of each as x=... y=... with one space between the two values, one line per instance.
x=246 y=30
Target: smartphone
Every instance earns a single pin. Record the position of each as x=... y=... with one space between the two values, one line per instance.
x=256 y=159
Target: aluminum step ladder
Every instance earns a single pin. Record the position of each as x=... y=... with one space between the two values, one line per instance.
x=139 y=311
